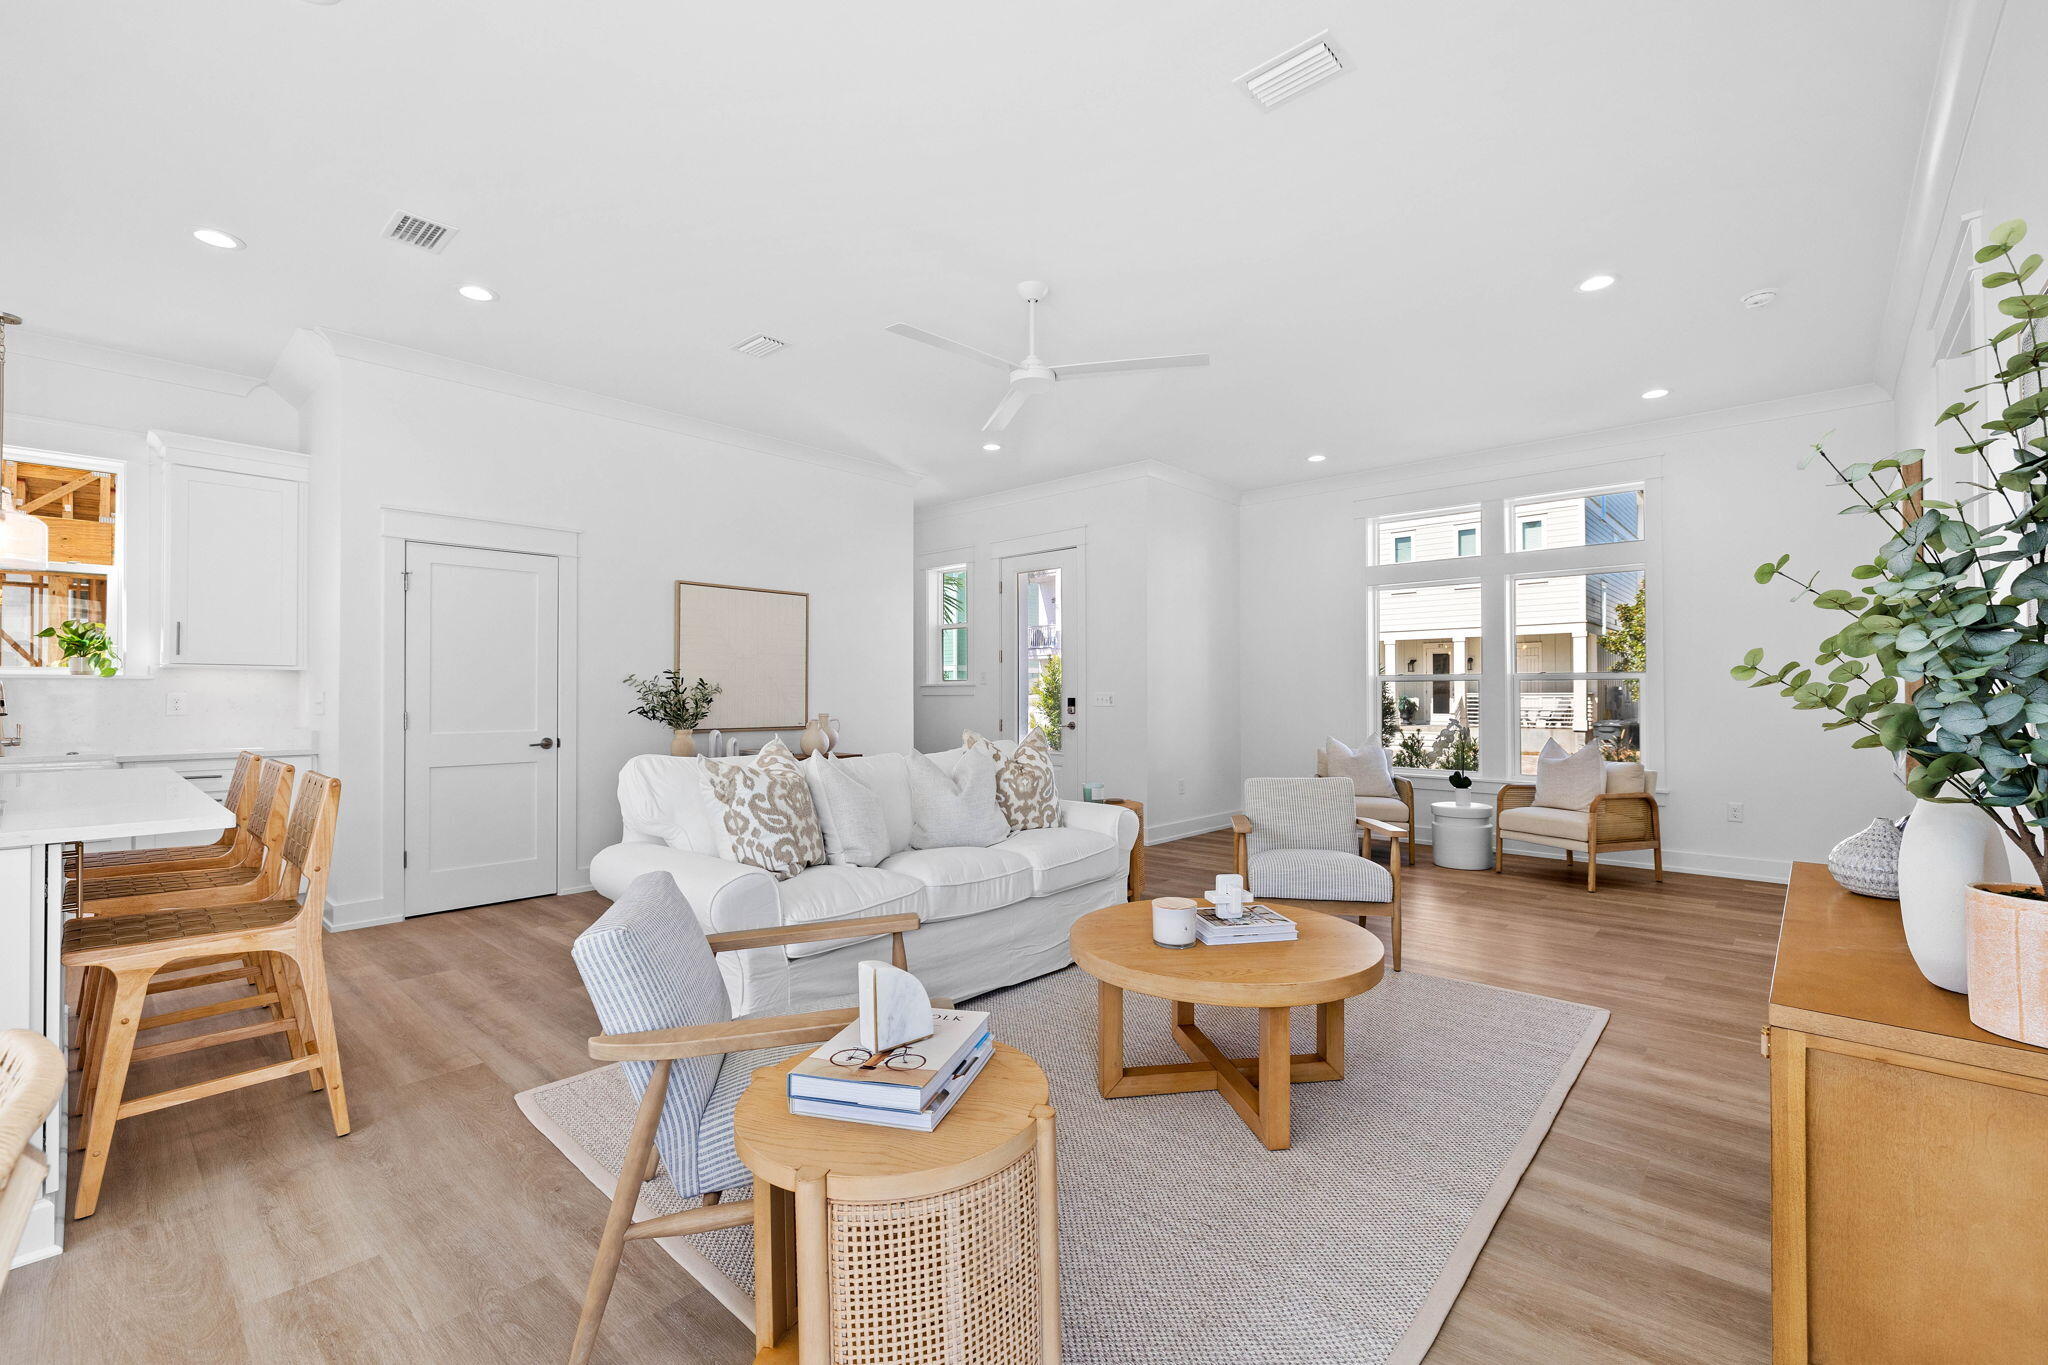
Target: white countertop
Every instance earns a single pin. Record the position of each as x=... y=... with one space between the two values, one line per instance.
x=60 y=805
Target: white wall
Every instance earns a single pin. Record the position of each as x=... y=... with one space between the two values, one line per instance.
x=74 y=399
x=654 y=498
x=1730 y=497
x=1159 y=606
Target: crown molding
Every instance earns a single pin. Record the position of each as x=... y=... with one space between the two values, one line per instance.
x=1966 y=47
x=1080 y=483
x=369 y=351
x=63 y=350
x=1503 y=459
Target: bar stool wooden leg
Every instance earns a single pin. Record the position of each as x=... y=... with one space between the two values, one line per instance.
x=319 y=1022
x=124 y=1015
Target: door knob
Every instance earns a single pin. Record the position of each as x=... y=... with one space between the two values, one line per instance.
x=544 y=744
x=1071 y=725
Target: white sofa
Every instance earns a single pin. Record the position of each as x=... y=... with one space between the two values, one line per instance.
x=991 y=916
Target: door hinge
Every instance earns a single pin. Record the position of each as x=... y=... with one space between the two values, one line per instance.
x=999 y=725
x=405 y=720
x=405 y=580
x=1767 y=1040
x=405 y=859
x=999 y=656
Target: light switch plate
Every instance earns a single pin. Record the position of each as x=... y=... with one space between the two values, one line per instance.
x=1102 y=699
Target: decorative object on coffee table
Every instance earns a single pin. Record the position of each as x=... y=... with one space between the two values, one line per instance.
x=877 y=1245
x=674 y=701
x=1173 y=922
x=1867 y=862
x=755 y=641
x=1461 y=834
x=1331 y=961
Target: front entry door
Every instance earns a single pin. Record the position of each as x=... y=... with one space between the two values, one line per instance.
x=481 y=739
x=1042 y=657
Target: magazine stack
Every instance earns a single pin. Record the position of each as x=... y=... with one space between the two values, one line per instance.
x=912 y=1086
x=1258 y=924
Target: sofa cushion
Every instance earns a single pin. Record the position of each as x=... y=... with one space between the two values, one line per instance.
x=1062 y=857
x=1392 y=809
x=718 y=1165
x=954 y=809
x=849 y=813
x=888 y=777
x=1027 y=788
x=1369 y=769
x=765 y=811
x=831 y=892
x=662 y=800
x=1320 y=874
x=1627 y=777
x=1546 y=823
x=964 y=881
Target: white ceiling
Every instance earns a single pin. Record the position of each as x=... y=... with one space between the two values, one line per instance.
x=1383 y=269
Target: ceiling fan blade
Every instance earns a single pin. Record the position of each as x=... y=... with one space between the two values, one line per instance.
x=1007 y=409
x=1150 y=362
x=904 y=329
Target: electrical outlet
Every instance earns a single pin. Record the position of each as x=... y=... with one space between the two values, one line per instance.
x=1735 y=811
x=174 y=703
x=1102 y=699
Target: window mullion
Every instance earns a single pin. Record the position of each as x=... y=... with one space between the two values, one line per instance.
x=1496 y=702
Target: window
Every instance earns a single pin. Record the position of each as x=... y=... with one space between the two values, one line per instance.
x=948 y=642
x=57 y=554
x=1404 y=549
x=1546 y=637
x=1041 y=677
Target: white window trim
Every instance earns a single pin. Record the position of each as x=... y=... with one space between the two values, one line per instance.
x=131 y=597
x=930 y=566
x=1497 y=565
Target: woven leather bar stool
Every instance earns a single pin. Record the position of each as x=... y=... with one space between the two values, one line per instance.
x=250 y=877
x=125 y=951
x=234 y=845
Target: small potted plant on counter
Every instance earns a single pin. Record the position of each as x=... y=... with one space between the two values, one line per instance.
x=675 y=701
x=85 y=645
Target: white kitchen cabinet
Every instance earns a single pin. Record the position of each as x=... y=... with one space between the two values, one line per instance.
x=233 y=554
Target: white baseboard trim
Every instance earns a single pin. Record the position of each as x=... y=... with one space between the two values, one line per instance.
x=362 y=914
x=1675 y=860
x=1183 y=829
x=576 y=889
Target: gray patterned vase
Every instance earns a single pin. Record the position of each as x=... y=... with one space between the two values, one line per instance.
x=1867 y=862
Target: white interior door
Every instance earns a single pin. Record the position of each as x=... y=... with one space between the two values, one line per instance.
x=481 y=739
x=1042 y=657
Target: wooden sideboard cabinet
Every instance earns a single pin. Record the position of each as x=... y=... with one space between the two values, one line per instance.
x=1909 y=1154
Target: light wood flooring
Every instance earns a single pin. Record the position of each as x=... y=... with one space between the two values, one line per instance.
x=444 y=1229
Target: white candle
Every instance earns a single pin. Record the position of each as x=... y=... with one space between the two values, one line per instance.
x=1173 y=922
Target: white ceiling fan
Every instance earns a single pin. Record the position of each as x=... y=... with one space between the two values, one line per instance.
x=1032 y=375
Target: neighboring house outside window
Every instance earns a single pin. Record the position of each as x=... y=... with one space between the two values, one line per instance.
x=1570 y=660
x=1404 y=549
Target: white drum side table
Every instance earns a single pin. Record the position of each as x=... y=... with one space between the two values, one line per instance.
x=1461 y=834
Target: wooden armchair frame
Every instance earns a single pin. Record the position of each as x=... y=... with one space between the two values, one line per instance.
x=665 y=1047
x=1616 y=822
x=1368 y=829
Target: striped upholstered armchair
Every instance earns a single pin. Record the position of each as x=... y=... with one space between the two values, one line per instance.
x=1301 y=839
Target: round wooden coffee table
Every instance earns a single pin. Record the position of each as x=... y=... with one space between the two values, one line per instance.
x=875 y=1244
x=1332 y=961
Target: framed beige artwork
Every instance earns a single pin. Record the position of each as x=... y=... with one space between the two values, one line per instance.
x=755 y=643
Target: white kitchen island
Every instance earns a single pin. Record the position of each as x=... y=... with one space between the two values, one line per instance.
x=41 y=813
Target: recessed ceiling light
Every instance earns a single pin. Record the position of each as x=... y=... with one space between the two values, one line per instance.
x=990 y=445
x=1656 y=393
x=1317 y=459
x=226 y=241
x=1761 y=298
x=1593 y=284
x=476 y=293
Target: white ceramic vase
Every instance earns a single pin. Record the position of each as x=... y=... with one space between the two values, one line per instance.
x=1947 y=847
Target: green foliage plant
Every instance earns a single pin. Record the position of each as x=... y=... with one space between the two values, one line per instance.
x=87 y=640
x=672 y=699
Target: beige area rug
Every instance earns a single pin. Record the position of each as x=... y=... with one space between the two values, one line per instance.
x=1182 y=1240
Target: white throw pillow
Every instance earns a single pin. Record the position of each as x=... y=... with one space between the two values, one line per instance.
x=1370 y=772
x=849 y=813
x=1027 y=789
x=954 y=810
x=765 y=811
x=1569 y=779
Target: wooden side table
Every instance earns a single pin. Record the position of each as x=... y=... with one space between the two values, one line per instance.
x=1137 y=873
x=875 y=1246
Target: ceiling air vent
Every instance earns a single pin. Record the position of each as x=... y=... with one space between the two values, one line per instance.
x=759 y=344
x=1293 y=71
x=419 y=232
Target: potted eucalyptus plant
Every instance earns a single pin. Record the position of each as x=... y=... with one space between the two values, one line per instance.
x=677 y=702
x=1940 y=652
x=85 y=645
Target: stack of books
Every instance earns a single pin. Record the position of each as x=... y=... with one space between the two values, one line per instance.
x=1259 y=924
x=914 y=1087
